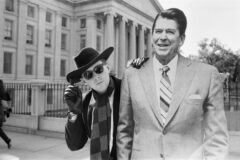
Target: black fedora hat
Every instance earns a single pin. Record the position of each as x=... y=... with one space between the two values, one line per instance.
x=85 y=59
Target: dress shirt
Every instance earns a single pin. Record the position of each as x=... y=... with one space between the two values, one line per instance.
x=157 y=66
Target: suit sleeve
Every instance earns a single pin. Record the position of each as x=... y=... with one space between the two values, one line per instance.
x=215 y=123
x=125 y=125
x=76 y=134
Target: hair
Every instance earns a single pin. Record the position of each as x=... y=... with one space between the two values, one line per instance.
x=176 y=15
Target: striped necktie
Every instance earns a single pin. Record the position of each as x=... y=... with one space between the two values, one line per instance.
x=165 y=93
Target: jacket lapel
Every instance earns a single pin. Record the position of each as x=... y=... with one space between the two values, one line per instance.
x=184 y=75
x=148 y=82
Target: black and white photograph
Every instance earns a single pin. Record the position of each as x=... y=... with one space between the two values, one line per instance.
x=119 y=79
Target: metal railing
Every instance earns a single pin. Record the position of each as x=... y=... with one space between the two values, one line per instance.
x=231 y=96
x=20 y=94
x=54 y=105
x=52 y=95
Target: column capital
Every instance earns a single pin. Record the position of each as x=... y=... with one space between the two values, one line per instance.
x=125 y=19
x=147 y=30
x=112 y=13
x=133 y=23
x=144 y=28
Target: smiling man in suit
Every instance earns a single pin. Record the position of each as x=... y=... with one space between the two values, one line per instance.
x=172 y=107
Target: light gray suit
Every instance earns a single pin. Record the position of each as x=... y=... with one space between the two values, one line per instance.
x=195 y=126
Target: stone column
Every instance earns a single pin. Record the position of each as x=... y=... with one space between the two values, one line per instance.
x=41 y=43
x=91 y=30
x=109 y=39
x=133 y=41
x=21 y=40
x=57 y=51
x=141 y=43
x=149 y=43
x=37 y=106
x=74 y=50
x=122 y=56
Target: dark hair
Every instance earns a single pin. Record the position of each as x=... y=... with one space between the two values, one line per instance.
x=173 y=14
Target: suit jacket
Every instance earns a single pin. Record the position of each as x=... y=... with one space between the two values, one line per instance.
x=195 y=126
x=78 y=132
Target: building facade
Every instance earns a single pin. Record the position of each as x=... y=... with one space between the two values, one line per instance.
x=39 y=38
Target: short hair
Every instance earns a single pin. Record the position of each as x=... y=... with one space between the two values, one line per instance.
x=173 y=14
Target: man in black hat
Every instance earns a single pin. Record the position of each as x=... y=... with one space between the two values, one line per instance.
x=96 y=116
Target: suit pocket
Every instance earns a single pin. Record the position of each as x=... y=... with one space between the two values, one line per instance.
x=191 y=109
x=194 y=101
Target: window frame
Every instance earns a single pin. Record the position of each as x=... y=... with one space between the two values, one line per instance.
x=63 y=41
x=47 y=66
x=63 y=64
x=29 y=67
x=83 y=23
x=8 y=30
x=49 y=17
x=48 y=38
x=33 y=11
x=30 y=34
x=83 y=40
x=9 y=8
x=7 y=62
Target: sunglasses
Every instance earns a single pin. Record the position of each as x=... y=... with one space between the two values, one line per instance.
x=89 y=74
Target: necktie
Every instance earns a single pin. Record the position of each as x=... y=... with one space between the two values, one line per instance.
x=165 y=93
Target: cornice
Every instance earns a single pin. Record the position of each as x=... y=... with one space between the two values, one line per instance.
x=76 y=3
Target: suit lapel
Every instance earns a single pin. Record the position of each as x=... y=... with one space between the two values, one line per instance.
x=148 y=82
x=184 y=75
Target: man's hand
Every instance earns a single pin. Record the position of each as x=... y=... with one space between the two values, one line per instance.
x=73 y=98
x=137 y=63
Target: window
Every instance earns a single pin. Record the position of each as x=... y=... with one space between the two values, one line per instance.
x=82 y=41
x=9 y=6
x=99 y=24
x=48 y=17
x=83 y=23
x=49 y=96
x=47 y=67
x=29 y=65
x=64 y=41
x=64 y=21
x=7 y=62
x=30 y=32
x=48 y=38
x=8 y=31
x=63 y=68
x=99 y=43
x=30 y=11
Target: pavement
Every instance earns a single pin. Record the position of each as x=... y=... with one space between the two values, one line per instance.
x=27 y=146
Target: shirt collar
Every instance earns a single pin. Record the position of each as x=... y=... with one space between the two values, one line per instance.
x=171 y=64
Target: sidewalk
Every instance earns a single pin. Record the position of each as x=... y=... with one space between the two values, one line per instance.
x=36 y=147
